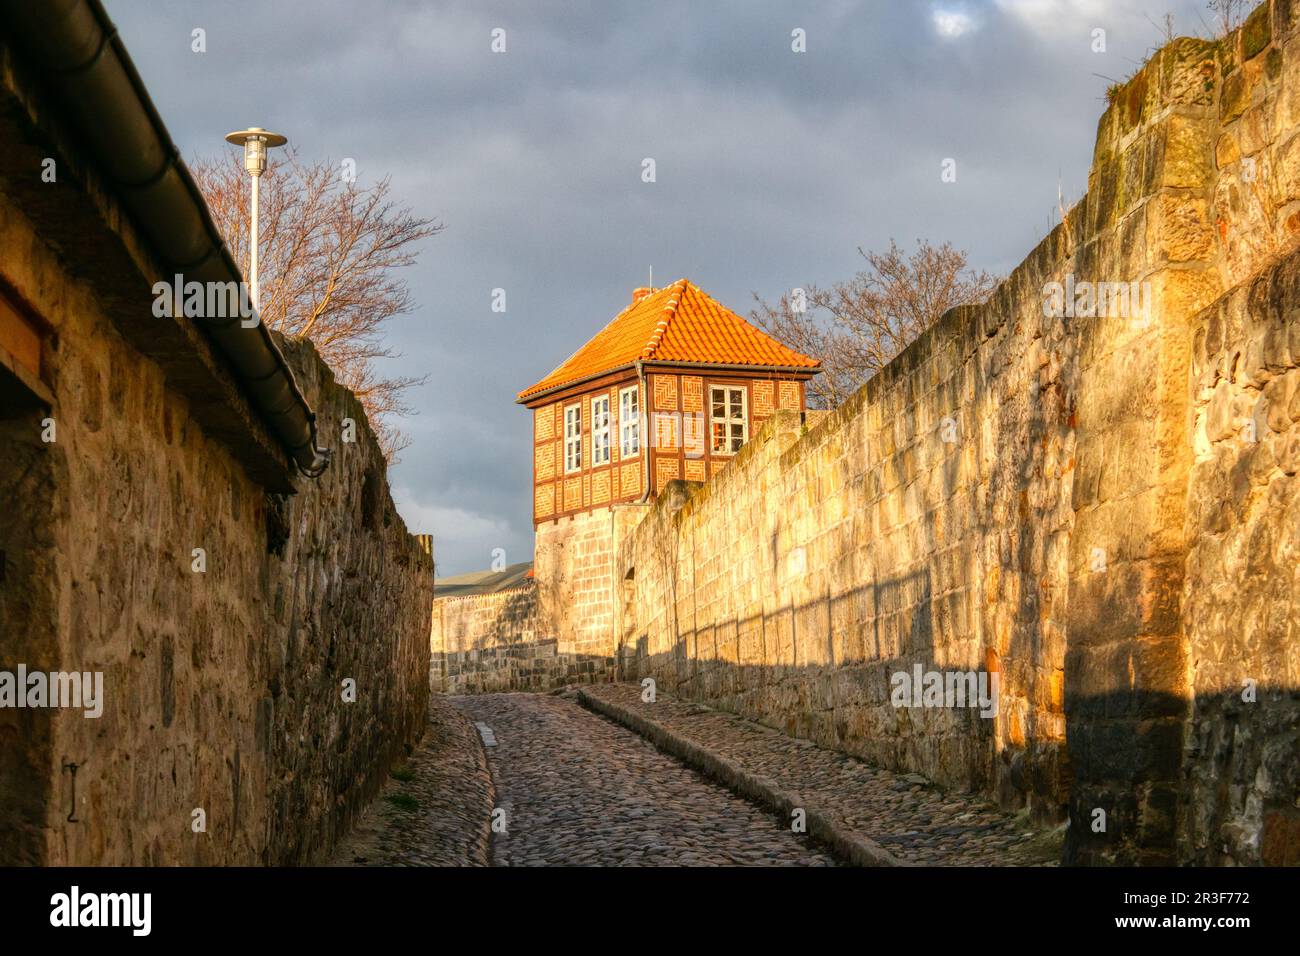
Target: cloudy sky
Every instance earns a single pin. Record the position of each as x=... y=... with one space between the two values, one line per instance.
x=772 y=167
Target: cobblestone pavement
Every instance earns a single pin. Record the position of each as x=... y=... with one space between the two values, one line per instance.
x=578 y=789
x=435 y=810
x=903 y=813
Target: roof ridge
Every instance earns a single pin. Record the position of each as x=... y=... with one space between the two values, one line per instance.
x=744 y=326
x=608 y=325
x=669 y=313
x=677 y=324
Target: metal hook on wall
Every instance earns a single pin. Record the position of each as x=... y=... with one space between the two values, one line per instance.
x=72 y=814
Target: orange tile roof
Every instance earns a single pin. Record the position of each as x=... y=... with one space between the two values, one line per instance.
x=678 y=323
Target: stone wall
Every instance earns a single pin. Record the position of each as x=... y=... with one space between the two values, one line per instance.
x=224 y=688
x=1241 y=598
x=501 y=641
x=1146 y=672
x=486 y=643
x=564 y=628
x=1241 y=602
x=1063 y=499
x=1095 y=504
x=494 y=643
x=574 y=569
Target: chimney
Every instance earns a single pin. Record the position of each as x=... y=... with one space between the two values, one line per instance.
x=640 y=293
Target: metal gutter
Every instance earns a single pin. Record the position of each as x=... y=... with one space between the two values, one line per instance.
x=525 y=399
x=74 y=47
x=809 y=370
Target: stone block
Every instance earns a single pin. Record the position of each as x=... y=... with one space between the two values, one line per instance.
x=1280 y=837
x=1226 y=151
x=1256 y=32
x=1187 y=157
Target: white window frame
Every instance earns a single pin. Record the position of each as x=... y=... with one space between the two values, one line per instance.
x=629 y=422
x=572 y=440
x=600 y=432
x=728 y=418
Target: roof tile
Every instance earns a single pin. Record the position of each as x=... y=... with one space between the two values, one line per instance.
x=678 y=323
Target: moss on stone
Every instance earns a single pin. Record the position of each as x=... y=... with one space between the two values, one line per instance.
x=1135 y=99
x=1273 y=64
x=1236 y=93
x=1256 y=32
x=1226 y=54
x=403 y=801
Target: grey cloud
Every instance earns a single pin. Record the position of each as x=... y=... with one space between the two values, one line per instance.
x=773 y=167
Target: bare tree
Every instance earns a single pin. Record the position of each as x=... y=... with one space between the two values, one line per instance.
x=328 y=260
x=857 y=326
x=1166 y=27
x=1227 y=14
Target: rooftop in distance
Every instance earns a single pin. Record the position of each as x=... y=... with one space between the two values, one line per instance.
x=484 y=582
x=679 y=324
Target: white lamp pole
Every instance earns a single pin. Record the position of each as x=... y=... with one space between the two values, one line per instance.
x=256 y=141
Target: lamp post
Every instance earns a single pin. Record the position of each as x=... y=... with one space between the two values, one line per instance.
x=256 y=141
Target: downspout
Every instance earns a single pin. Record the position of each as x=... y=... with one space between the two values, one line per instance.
x=77 y=52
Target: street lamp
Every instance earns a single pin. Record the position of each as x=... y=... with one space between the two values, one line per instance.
x=256 y=141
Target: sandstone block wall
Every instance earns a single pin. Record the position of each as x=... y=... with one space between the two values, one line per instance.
x=574 y=570
x=1099 y=506
x=223 y=689
x=1241 y=598
x=1065 y=500
x=493 y=643
x=1241 y=604
x=822 y=560
x=1145 y=676
x=489 y=643
x=565 y=628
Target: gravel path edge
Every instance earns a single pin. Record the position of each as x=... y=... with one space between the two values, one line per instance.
x=822 y=826
x=449 y=824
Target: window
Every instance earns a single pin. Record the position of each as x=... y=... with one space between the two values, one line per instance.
x=573 y=438
x=730 y=424
x=600 y=431
x=629 y=422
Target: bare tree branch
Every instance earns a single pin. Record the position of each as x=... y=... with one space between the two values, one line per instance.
x=1228 y=14
x=856 y=327
x=328 y=260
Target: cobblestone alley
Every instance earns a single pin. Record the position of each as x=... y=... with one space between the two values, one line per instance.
x=541 y=780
